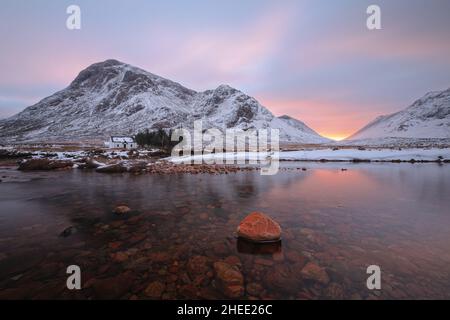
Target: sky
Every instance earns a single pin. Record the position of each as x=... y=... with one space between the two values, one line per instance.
x=314 y=60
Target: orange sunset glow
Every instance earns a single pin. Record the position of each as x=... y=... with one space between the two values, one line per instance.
x=324 y=117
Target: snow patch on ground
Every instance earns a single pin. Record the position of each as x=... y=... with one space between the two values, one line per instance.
x=434 y=154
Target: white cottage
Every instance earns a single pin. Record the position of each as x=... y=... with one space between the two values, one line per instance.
x=121 y=142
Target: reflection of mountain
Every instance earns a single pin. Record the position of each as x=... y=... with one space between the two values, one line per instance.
x=97 y=194
x=246 y=190
x=365 y=191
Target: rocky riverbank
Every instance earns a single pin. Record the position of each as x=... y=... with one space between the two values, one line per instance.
x=128 y=166
x=107 y=161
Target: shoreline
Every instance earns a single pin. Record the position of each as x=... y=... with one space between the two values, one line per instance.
x=330 y=155
x=156 y=162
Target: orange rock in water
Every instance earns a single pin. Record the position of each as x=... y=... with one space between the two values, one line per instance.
x=259 y=227
x=121 y=210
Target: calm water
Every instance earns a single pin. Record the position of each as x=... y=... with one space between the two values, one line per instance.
x=396 y=216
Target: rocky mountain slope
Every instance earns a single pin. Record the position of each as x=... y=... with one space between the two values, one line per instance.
x=114 y=98
x=426 y=118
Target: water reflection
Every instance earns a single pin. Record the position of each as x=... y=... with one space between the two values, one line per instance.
x=392 y=215
x=247 y=247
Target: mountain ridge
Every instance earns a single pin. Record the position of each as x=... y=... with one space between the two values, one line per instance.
x=112 y=97
x=427 y=117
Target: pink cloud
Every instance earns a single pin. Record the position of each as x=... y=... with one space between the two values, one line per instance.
x=391 y=44
x=52 y=63
x=223 y=55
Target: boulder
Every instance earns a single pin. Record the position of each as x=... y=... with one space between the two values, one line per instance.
x=92 y=164
x=259 y=227
x=112 y=168
x=44 y=164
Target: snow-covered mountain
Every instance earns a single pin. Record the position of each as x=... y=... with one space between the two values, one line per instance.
x=426 y=118
x=114 y=98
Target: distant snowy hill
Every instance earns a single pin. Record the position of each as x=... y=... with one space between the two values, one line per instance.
x=427 y=118
x=114 y=98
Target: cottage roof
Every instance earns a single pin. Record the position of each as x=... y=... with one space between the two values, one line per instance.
x=122 y=139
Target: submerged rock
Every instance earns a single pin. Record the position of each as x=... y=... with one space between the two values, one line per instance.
x=197 y=265
x=234 y=261
x=155 y=289
x=229 y=280
x=313 y=272
x=159 y=256
x=335 y=291
x=258 y=227
x=119 y=256
x=283 y=278
x=68 y=232
x=120 y=210
x=254 y=289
